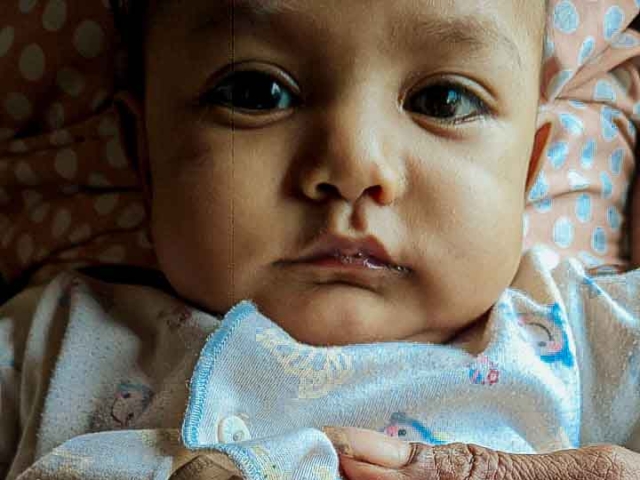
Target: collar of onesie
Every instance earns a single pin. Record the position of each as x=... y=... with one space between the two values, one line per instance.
x=261 y=397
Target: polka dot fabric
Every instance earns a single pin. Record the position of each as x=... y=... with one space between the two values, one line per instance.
x=592 y=89
x=69 y=197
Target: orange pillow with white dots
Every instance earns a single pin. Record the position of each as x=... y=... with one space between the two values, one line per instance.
x=69 y=196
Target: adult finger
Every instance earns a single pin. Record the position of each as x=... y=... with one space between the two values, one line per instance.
x=369 y=446
x=472 y=462
x=366 y=455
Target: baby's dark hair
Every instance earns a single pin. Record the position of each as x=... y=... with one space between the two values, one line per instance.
x=130 y=18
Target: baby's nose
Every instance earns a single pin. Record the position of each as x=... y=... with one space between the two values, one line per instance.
x=382 y=187
x=360 y=158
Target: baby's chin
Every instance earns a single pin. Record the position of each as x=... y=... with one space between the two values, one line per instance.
x=340 y=314
x=325 y=312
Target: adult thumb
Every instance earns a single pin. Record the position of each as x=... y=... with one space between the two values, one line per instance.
x=456 y=461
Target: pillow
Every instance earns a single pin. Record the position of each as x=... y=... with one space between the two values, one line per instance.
x=70 y=198
x=591 y=86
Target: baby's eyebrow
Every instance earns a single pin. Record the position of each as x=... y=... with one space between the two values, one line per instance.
x=474 y=32
x=220 y=10
x=468 y=31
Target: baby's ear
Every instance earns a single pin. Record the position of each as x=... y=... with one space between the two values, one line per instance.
x=544 y=132
x=134 y=134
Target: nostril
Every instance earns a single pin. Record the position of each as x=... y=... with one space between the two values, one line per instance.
x=327 y=190
x=375 y=193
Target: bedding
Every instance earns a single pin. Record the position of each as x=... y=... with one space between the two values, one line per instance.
x=69 y=195
x=591 y=86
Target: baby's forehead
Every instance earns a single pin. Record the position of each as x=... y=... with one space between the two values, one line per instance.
x=527 y=14
x=472 y=24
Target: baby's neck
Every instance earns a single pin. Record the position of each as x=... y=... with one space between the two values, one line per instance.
x=471 y=336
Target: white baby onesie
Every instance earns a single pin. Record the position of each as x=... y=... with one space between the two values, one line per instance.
x=102 y=380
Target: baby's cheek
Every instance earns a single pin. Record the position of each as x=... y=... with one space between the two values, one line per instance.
x=475 y=249
x=192 y=250
x=490 y=224
x=496 y=239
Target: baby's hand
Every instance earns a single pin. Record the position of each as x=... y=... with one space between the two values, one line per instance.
x=368 y=455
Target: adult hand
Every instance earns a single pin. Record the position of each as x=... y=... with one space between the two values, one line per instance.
x=634 y=214
x=369 y=455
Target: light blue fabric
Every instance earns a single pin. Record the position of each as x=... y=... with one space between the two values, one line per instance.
x=556 y=366
x=252 y=369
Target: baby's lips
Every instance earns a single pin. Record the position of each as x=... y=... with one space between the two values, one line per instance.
x=331 y=245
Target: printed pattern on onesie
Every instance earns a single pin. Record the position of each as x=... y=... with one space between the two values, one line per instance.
x=540 y=375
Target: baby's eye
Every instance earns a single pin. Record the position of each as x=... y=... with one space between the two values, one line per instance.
x=448 y=103
x=250 y=90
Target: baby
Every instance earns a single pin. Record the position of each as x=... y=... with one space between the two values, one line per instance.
x=342 y=141
x=358 y=171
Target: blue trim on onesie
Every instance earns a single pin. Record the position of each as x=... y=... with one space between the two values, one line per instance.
x=242 y=458
x=208 y=356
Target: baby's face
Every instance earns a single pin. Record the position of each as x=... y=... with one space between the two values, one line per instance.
x=405 y=126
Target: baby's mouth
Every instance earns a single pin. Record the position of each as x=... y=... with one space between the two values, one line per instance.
x=352 y=267
x=335 y=255
x=365 y=261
